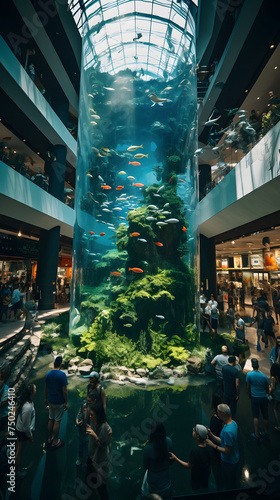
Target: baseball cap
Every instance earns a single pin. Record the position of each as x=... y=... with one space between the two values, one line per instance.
x=201 y=431
x=94 y=374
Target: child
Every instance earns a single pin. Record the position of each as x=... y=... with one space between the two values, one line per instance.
x=200 y=459
x=82 y=420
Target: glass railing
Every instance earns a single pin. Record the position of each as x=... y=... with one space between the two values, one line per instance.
x=34 y=171
x=238 y=140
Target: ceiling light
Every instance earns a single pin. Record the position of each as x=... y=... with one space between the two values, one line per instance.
x=275 y=67
x=14 y=151
x=5 y=147
x=233 y=242
x=38 y=152
x=271 y=46
x=246 y=90
x=236 y=151
x=24 y=140
x=257 y=97
x=0 y=119
x=19 y=233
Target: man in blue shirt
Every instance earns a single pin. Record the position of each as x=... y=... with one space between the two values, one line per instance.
x=56 y=399
x=227 y=446
x=258 y=388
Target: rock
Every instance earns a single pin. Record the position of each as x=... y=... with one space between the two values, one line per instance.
x=73 y=369
x=105 y=376
x=131 y=372
x=138 y=381
x=171 y=381
x=141 y=371
x=123 y=369
x=75 y=361
x=85 y=369
x=86 y=362
x=194 y=365
x=122 y=378
x=180 y=372
x=160 y=372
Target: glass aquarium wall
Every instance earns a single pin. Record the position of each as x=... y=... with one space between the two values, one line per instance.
x=134 y=288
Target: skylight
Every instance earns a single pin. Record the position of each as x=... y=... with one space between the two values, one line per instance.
x=151 y=36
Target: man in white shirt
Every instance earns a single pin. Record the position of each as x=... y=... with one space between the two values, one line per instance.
x=212 y=302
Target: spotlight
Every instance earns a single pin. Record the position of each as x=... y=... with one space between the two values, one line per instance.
x=19 y=233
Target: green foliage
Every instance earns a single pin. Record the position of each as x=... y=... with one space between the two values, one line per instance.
x=149 y=362
x=177 y=354
x=51 y=328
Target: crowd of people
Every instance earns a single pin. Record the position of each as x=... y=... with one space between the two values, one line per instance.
x=14 y=296
x=216 y=447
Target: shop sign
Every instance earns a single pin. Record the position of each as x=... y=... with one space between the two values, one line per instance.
x=15 y=246
x=256 y=261
x=270 y=263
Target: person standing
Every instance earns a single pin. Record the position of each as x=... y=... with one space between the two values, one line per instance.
x=219 y=361
x=15 y=302
x=97 y=391
x=275 y=390
x=156 y=461
x=275 y=351
x=227 y=445
x=25 y=426
x=214 y=321
x=258 y=389
x=259 y=319
x=200 y=459
x=100 y=434
x=269 y=335
x=276 y=304
x=230 y=318
x=212 y=302
x=231 y=384
x=240 y=328
x=56 y=399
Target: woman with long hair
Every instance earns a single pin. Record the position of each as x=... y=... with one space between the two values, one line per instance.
x=100 y=434
x=157 y=462
x=25 y=424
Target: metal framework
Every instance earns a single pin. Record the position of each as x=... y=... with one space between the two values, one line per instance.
x=151 y=36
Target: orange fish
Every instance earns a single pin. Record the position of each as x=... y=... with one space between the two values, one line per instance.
x=158 y=243
x=182 y=180
x=134 y=234
x=91 y=232
x=116 y=273
x=170 y=180
x=101 y=234
x=106 y=187
x=136 y=269
x=134 y=163
x=118 y=188
x=138 y=184
x=184 y=229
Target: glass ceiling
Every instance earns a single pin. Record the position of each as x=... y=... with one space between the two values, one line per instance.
x=151 y=36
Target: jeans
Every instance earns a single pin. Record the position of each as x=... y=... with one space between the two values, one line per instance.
x=228 y=472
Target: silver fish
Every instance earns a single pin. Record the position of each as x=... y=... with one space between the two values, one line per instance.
x=159 y=316
x=172 y=221
x=142 y=239
x=150 y=218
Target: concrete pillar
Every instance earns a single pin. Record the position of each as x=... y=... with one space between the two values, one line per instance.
x=56 y=171
x=208 y=276
x=47 y=266
x=204 y=179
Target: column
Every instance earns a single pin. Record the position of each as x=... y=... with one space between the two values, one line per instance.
x=208 y=277
x=56 y=172
x=47 y=266
x=204 y=179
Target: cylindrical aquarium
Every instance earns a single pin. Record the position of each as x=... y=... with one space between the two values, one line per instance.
x=134 y=288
